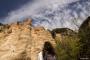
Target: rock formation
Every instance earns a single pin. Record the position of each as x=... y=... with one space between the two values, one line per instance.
x=21 y=41
x=62 y=32
x=84 y=33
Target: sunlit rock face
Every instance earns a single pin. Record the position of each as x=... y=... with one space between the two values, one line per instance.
x=22 y=41
x=39 y=37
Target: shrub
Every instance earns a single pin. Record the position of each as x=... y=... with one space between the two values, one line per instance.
x=67 y=48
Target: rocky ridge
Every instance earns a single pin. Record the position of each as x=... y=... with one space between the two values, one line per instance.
x=21 y=41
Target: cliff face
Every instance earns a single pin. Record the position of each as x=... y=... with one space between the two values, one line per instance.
x=21 y=41
x=84 y=33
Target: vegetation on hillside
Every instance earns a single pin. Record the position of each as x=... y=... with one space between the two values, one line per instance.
x=68 y=48
x=73 y=47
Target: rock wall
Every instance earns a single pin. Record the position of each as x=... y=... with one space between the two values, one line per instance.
x=21 y=41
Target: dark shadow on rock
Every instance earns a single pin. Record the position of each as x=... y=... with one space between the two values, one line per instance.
x=48 y=50
x=84 y=33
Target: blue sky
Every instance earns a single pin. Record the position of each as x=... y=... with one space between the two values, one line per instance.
x=48 y=13
x=7 y=6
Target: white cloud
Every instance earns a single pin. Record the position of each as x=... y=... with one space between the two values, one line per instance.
x=52 y=13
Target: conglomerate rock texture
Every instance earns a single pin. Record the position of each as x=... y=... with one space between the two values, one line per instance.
x=21 y=41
